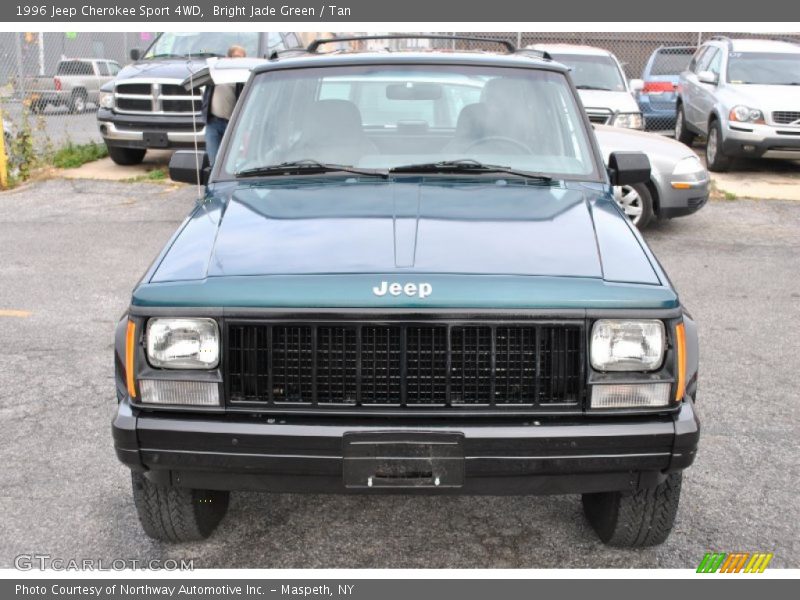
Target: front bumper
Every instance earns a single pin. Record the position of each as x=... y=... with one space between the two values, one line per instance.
x=745 y=139
x=306 y=454
x=128 y=131
x=681 y=195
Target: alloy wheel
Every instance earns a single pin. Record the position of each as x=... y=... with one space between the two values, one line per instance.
x=630 y=201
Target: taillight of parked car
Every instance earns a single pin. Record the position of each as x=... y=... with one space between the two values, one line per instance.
x=57 y=83
x=658 y=87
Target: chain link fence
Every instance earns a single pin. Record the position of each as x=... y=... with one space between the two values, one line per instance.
x=43 y=109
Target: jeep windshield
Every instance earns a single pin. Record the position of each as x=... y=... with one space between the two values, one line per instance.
x=200 y=45
x=470 y=120
x=764 y=68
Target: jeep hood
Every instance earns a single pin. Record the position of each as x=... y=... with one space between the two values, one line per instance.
x=274 y=243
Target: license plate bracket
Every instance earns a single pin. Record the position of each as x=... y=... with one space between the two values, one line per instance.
x=155 y=139
x=403 y=460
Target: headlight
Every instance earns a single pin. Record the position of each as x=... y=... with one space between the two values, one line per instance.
x=690 y=165
x=745 y=114
x=105 y=100
x=629 y=120
x=183 y=343
x=627 y=345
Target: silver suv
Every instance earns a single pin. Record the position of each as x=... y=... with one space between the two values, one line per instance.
x=744 y=95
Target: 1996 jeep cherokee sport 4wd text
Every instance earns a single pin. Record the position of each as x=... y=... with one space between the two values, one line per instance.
x=394 y=285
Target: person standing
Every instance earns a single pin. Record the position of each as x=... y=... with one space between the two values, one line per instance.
x=218 y=104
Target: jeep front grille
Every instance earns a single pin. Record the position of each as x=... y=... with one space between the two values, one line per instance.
x=155 y=97
x=786 y=117
x=408 y=365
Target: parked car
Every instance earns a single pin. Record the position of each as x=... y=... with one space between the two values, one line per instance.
x=604 y=90
x=404 y=303
x=744 y=95
x=658 y=97
x=678 y=183
x=146 y=106
x=76 y=84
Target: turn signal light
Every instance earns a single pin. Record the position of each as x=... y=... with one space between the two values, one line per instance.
x=130 y=348
x=680 y=343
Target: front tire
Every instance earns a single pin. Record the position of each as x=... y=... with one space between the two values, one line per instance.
x=682 y=133
x=636 y=202
x=126 y=156
x=716 y=160
x=644 y=518
x=173 y=514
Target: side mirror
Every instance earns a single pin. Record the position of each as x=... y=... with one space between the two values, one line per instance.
x=627 y=168
x=135 y=54
x=183 y=167
x=636 y=85
x=707 y=77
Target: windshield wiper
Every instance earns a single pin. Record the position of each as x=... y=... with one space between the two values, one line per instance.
x=593 y=87
x=466 y=165
x=165 y=55
x=201 y=55
x=187 y=55
x=307 y=167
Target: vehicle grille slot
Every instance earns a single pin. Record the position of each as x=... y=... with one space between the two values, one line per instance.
x=516 y=365
x=406 y=365
x=426 y=358
x=134 y=88
x=292 y=364
x=380 y=365
x=560 y=365
x=336 y=365
x=471 y=365
x=785 y=117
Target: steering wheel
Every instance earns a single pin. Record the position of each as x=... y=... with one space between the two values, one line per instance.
x=502 y=139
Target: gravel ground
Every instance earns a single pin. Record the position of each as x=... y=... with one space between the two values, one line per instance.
x=71 y=252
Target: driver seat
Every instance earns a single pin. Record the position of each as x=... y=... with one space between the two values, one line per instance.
x=333 y=133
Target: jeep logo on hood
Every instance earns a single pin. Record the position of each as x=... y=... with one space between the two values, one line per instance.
x=423 y=290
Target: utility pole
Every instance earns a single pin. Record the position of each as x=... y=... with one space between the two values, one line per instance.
x=20 y=69
x=41 y=53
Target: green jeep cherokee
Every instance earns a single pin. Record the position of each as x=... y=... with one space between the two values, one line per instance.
x=408 y=274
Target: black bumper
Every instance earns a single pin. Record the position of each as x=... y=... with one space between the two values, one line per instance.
x=307 y=455
x=744 y=147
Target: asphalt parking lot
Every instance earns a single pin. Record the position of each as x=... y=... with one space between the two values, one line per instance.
x=72 y=250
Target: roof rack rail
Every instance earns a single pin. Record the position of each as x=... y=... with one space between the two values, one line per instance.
x=786 y=40
x=544 y=54
x=314 y=46
x=722 y=38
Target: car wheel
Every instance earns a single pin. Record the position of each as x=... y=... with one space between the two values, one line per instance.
x=126 y=156
x=682 y=134
x=636 y=202
x=77 y=102
x=716 y=160
x=173 y=514
x=643 y=518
